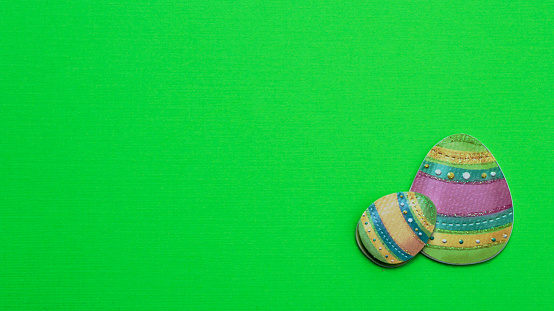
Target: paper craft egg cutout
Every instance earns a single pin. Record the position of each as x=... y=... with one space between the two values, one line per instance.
x=474 y=205
x=395 y=228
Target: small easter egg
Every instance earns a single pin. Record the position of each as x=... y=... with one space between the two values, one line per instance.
x=396 y=227
x=474 y=205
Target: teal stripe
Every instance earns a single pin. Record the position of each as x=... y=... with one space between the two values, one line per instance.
x=475 y=223
x=413 y=225
x=475 y=175
x=386 y=237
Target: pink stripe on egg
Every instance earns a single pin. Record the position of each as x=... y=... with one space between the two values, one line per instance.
x=463 y=199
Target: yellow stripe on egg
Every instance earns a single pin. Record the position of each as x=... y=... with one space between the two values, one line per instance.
x=461 y=241
x=375 y=240
x=460 y=157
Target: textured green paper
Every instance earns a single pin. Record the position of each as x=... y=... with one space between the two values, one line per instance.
x=216 y=155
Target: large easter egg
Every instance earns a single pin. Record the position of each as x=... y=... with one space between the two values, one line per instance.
x=474 y=205
x=395 y=228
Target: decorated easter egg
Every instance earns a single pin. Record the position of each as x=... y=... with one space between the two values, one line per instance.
x=395 y=228
x=474 y=205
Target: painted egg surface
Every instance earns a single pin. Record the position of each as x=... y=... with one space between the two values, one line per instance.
x=474 y=205
x=397 y=226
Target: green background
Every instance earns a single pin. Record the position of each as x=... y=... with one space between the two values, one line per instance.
x=186 y=155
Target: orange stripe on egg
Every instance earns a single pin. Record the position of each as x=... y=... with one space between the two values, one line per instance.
x=396 y=225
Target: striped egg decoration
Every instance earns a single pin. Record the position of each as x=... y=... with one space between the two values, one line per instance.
x=474 y=205
x=396 y=227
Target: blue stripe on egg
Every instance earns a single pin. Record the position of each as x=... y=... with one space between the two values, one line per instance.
x=385 y=236
x=413 y=224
